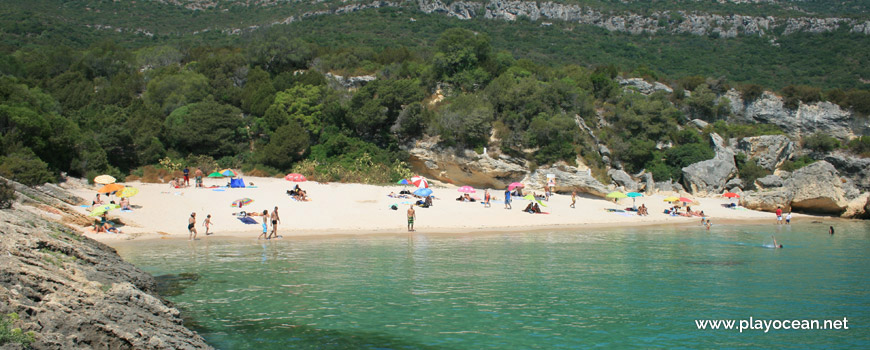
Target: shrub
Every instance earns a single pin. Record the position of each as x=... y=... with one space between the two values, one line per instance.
x=26 y=169
x=820 y=142
x=797 y=163
x=10 y=334
x=7 y=194
x=794 y=94
x=733 y=130
x=749 y=170
x=751 y=92
x=860 y=146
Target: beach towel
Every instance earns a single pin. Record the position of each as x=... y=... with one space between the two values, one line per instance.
x=126 y=210
x=248 y=220
x=219 y=190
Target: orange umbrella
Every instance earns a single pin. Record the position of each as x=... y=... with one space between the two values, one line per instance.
x=110 y=188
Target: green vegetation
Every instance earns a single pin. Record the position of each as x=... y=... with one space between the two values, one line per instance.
x=860 y=146
x=800 y=162
x=11 y=334
x=7 y=194
x=749 y=171
x=820 y=142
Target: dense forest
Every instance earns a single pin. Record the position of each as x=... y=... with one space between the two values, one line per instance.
x=268 y=101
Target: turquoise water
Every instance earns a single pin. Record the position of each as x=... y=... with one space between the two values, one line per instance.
x=626 y=288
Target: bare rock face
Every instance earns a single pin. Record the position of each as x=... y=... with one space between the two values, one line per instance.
x=466 y=167
x=569 y=178
x=768 y=182
x=854 y=168
x=823 y=117
x=817 y=188
x=767 y=200
x=710 y=176
x=643 y=86
x=622 y=178
x=76 y=293
x=770 y=150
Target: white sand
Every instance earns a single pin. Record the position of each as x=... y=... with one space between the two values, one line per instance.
x=364 y=209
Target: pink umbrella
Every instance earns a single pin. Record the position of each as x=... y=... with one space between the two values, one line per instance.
x=420 y=182
x=515 y=185
x=466 y=189
x=295 y=177
x=731 y=195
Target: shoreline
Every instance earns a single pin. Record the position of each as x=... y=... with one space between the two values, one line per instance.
x=354 y=210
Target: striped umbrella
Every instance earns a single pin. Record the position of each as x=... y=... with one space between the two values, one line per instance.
x=467 y=189
x=242 y=202
x=420 y=182
x=295 y=177
x=229 y=172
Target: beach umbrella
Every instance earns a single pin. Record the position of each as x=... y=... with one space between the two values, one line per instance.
x=530 y=197
x=110 y=188
x=229 y=172
x=403 y=182
x=633 y=196
x=671 y=199
x=466 y=189
x=215 y=174
x=514 y=185
x=686 y=200
x=100 y=209
x=104 y=179
x=295 y=177
x=128 y=192
x=731 y=195
x=423 y=192
x=242 y=202
x=616 y=195
x=420 y=182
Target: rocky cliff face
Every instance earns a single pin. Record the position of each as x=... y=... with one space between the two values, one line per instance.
x=74 y=292
x=816 y=188
x=823 y=117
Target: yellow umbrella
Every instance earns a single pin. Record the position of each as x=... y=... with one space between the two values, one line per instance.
x=672 y=199
x=128 y=192
x=110 y=188
x=104 y=179
x=100 y=209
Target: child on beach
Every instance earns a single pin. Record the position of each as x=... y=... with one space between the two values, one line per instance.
x=265 y=225
x=207 y=224
x=788 y=218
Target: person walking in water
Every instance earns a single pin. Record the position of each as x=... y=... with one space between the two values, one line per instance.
x=412 y=215
x=191 y=226
x=265 y=225
x=207 y=224
x=507 y=199
x=275 y=220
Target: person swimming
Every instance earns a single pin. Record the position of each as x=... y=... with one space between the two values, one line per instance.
x=831 y=230
x=775 y=245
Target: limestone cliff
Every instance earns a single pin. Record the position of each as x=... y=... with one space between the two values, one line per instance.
x=73 y=292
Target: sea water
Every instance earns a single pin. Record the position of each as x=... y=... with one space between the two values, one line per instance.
x=595 y=288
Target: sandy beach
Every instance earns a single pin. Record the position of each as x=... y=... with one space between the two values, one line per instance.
x=160 y=211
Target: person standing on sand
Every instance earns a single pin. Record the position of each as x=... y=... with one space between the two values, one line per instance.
x=778 y=215
x=207 y=224
x=411 y=216
x=265 y=225
x=186 y=172
x=507 y=199
x=191 y=226
x=486 y=197
x=573 y=198
x=275 y=220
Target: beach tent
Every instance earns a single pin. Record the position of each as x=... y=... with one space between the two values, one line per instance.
x=237 y=183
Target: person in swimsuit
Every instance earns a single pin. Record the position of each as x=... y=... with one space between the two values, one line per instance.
x=573 y=198
x=775 y=245
x=265 y=224
x=275 y=220
x=411 y=216
x=207 y=224
x=191 y=226
x=831 y=230
x=486 y=198
x=507 y=199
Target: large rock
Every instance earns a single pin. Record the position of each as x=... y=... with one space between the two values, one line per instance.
x=859 y=207
x=822 y=117
x=769 y=181
x=851 y=167
x=622 y=178
x=76 y=293
x=817 y=188
x=734 y=183
x=710 y=176
x=767 y=200
x=668 y=187
x=770 y=150
x=465 y=167
x=640 y=85
x=568 y=178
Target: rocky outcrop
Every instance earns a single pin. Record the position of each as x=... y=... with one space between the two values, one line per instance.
x=75 y=293
x=817 y=188
x=568 y=178
x=822 y=117
x=621 y=178
x=465 y=167
x=851 y=167
x=642 y=86
x=735 y=183
x=710 y=176
x=351 y=82
x=770 y=150
x=768 y=182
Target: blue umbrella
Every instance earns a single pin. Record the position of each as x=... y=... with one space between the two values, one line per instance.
x=423 y=192
x=633 y=195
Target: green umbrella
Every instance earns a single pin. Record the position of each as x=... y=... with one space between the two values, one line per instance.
x=215 y=174
x=100 y=209
x=532 y=198
x=616 y=194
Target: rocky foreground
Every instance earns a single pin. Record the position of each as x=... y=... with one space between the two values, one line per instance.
x=73 y=292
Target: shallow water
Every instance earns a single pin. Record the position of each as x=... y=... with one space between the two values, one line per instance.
x=626 y=288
